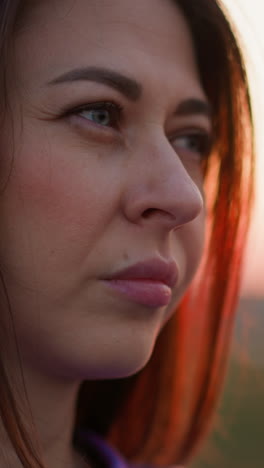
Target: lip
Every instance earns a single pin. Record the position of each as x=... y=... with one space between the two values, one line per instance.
x=149 y=283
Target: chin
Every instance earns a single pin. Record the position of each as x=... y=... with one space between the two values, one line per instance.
x=116 y=351
x=119 y=361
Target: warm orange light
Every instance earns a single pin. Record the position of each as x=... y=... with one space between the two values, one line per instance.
x=248 y=17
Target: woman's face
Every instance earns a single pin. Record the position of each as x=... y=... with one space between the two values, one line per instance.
x=109 y=124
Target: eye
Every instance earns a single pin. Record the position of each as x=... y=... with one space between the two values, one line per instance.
x=199 y=143
x=104 y=114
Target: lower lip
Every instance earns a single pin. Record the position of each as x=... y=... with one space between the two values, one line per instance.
x=146 y=292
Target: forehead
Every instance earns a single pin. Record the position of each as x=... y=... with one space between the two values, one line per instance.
x=55 y=35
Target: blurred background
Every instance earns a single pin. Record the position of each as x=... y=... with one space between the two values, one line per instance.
x=237 y=440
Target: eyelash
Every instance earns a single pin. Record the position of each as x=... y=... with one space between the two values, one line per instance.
x=113 y=108
x=202 y=138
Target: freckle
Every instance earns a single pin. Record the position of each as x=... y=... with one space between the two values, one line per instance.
x=126 y=256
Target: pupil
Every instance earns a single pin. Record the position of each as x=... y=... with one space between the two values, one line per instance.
x=193 y=143
x=101 y=117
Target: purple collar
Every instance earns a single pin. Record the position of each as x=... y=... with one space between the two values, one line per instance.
x=103 y=454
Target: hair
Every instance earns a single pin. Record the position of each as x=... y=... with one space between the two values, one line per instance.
x=161 y=414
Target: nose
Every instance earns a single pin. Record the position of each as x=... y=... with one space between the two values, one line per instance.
x=159 y=189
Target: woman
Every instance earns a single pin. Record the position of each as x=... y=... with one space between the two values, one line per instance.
x=125 y=133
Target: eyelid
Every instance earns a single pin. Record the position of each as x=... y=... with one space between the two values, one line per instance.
x=89 y=124
x=94 y=105
x=192 y=131
x=205 y=136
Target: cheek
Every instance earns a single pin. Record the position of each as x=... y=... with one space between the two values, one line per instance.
x=51 y=193
x=189 y=245
x=55 y=190
x=190 y=242
x=52 y=212
x=194 y=241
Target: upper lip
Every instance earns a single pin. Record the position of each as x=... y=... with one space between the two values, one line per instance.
x=154 y=269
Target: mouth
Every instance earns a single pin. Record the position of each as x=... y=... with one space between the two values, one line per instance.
x=149 y=283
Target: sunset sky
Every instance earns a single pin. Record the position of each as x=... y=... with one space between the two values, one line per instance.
x=249 y=17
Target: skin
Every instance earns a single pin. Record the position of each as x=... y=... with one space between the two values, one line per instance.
x=75 y=207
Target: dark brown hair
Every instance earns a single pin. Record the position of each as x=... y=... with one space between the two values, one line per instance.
x=160 y=415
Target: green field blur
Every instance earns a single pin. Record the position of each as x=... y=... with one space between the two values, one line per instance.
x=237 y=440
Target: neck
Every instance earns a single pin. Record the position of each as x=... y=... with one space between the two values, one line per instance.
x=53 y=410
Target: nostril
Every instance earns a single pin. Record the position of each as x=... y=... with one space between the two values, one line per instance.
x=147 y=213
x=150 y=212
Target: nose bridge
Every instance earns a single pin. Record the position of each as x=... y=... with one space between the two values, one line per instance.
x=162 y=186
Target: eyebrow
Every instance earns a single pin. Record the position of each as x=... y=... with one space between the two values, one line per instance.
x=194 y=106
x=129 y=87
